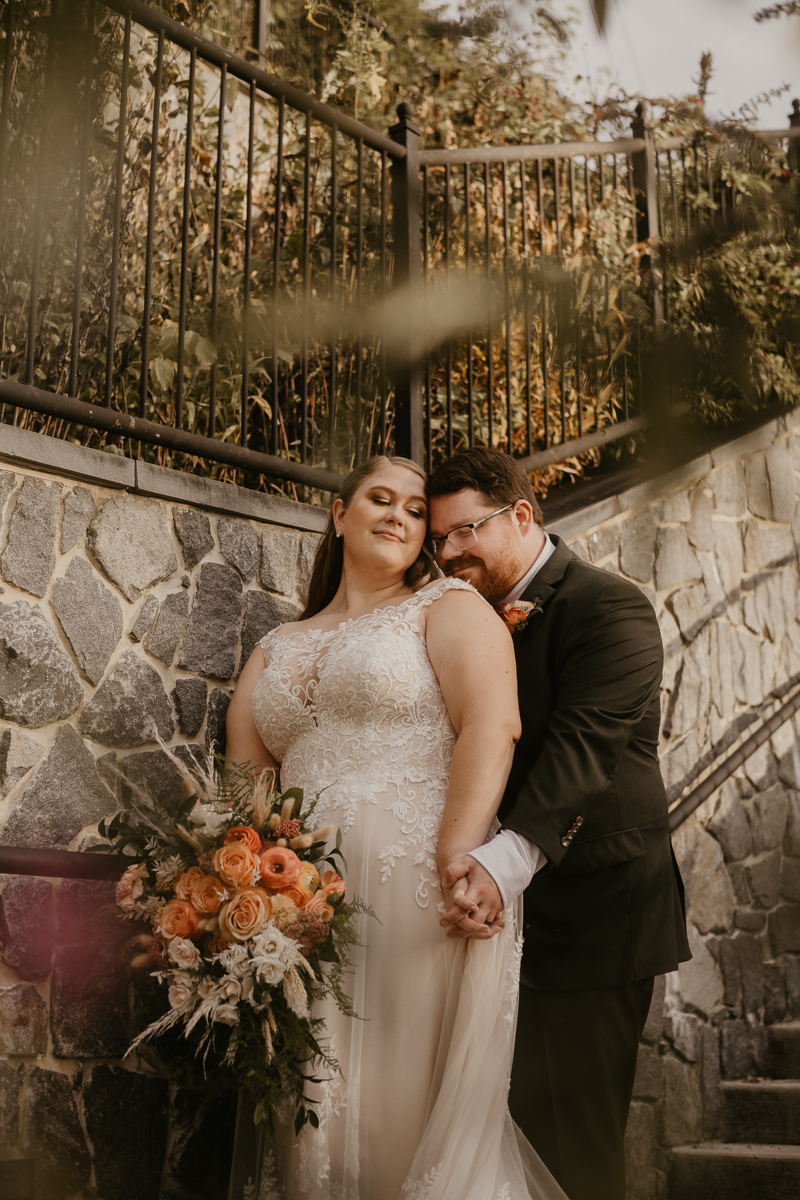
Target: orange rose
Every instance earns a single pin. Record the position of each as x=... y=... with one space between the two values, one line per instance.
x=303 y=889
x=177 y=919
x=244 y=915
x=319 y=906
x=208 y=894
x=214 y=944
x=280 y=867
x=235 y=864
x=185 y=882
x=130 y=887
x=245 y=834
x=331 y=884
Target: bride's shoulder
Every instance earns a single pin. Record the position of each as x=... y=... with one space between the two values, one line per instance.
x=448 y=593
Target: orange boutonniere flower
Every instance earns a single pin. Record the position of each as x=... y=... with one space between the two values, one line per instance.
x=517 y=615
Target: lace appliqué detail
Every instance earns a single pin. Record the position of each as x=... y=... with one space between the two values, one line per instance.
x=268 y=1187
x=314 y=1152
x=511 y=993
x=420 y=1189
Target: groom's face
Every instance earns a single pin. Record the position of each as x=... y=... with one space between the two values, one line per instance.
x=494 y=561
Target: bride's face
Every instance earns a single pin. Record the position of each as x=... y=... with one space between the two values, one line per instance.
x=384 y=524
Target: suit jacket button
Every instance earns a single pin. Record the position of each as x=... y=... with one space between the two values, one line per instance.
x=578 y=822
x=565 y=841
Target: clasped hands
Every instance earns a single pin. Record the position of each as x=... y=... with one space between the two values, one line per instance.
x=476 y=906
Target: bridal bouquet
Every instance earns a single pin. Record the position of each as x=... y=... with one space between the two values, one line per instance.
x=246 y=923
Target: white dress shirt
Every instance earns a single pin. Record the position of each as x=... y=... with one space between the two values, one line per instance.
x=511 y=860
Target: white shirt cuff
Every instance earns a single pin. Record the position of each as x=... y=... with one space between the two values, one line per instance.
x=512 y=861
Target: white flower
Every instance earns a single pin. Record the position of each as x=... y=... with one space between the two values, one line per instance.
x=211 y=823
x=235 y=960
x=248 y=990
x=151 y=907
x=184 y=953
x=230 y=988
x=166 y=869
x=206 y=987
x=227 y=1014
x=181 y=990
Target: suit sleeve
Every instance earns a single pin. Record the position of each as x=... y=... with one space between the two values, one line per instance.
x=608 y=671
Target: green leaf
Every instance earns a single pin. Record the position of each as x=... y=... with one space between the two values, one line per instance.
x=205 y=352
x=162 y=373
x=231 y=91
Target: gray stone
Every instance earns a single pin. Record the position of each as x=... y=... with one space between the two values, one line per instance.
x=763 y=875
x=728 y=952
x=746 y=656
x=126 y=1119
x=189 y=697
x=774 y=994
x=153 y=776
x=279 y=554
x=751 y=962
x=683 y=1104
x=90 y=615
x=683 y=1030
x=699 y=529
x=649 y=1081
x=758 y=491
x=79 y=508
x=218 y=703
x=262 y=613
x=729 y=824
x=699 y=980
x=7 y=481
x=194 y=534
x=163 y=638
x=186 y=581
x=637 y=546
x=29 y=558
x=131 y=706
x=749 y=919
x=64 y=795
x=676 y=562
x=752 y=613
x=780 y=475
x=791 y=971
x=10 y=1081
x=603 y=542
x=308 y=552
x=680 y=764
x=761 y=769
x=38 y=683
x=89 y=1011
x=710 y=1081
x=85 y=913
x=26 y=925
x=674 y=508
x=791 y=837
x=784 y=929
x=767 y=545
x=730 y=492
x=654 y=1024
x=771 y=604
x=737 y=1053
x=18 y=753
x=130 y=539
x=693 y=609
x=238 y=543
x=55 y=1137
x=209 y=645
x=692 y=690
x=723 y=695
x=790 y=879
x=147 y=614
x=741 y=887
x=710 y=896
x=641 y=1153
x=771 y=808
x=23 y=1020
x=729 y=555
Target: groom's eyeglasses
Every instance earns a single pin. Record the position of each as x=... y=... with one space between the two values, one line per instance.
x=465 y=536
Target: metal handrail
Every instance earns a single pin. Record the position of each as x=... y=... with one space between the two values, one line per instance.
x=60 y=864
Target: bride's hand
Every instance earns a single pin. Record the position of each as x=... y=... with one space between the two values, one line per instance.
x=475 y=906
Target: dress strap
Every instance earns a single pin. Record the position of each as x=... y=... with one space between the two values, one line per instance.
x=435 y=591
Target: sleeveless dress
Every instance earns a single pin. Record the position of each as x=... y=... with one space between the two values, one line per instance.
x=355 y=715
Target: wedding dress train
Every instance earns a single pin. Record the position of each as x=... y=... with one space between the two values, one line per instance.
x=355 y=715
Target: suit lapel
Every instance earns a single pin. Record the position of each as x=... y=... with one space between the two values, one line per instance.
x=545 y=581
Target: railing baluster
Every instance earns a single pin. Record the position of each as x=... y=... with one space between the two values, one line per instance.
x=6 y=101
x=276 y=278
x=332 y=376
x=545 y=389
x=306 y=290
x=384 y=388
x=575 y=294
x=77 y=298
x=489 y=370
x=359 y=295
x=41 y=187
x=507 y=303
x=187 y=204
x=212 y=391
x=526 y=310
x=151 y=208
x=468 y=259
x=449 y=355
x=248 y=236
x=426 y=280
x=120 y=168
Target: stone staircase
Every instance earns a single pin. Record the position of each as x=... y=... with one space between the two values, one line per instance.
x=759 y=1158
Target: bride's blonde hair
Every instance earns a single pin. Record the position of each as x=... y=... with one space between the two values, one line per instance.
x=326 y=573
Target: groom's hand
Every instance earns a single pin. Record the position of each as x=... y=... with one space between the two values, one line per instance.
x=477 y=909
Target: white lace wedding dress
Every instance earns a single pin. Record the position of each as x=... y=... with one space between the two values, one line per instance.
x=419 y=1112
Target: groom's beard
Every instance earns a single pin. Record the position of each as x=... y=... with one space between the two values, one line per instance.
x=493 y=585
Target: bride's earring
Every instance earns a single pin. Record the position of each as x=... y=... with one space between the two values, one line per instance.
x=338 y=533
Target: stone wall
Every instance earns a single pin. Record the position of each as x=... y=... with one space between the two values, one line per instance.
x=715 y=547
x=129 y=598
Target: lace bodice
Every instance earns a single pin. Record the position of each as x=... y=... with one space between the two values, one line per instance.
x=356 y=712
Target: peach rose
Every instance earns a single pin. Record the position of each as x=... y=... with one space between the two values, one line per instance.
x=280 y=867
x=244 y=915
x=284 y=910
x=235 y=864
x=307 y=883
x=130 y=888
x=214 y=944
x=245 y=834
x=319 y=906
x=331 y=884
x=177 y=919
x=185 y=882
x=208 y=894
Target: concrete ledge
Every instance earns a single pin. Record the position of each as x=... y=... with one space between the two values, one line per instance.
x=23 y=448
x=756 y=439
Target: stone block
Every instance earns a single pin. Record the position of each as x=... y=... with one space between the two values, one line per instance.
x=731 y=973
x=29 y=558
x=720 y=660
x=683 y=1104
x=693 y=609
x=730 y=490
x=751 y=613
x=784 y=929
x=194 y=534
x=90 y=616
x=789 y=593
x=709 y=892
x=769 y=591
x=262 y=613
x=699 y=979
x=85 y=914
x=767 y=545
x=699 y=528
x=26 y=925
x=751 y=960
x=189 y=697
x=238 y=543
x=679 y=765
x=737 y=1054
x=18 y=753
x=780 y=477
x=710 y=1073
x=152 y=776
x=761 y=771
x=649 y=1081
x=79 y=509
x=770 y=809
x=126 y=1119
x=280 y=549
x=218 y=703
x=210 y=642
x=774 y=994
x=749 y=919
x=131 y=706
x=790 y=879
x=692 y=689
x=88 y=1003
x=55 y=1138
x=683 y=1030
x=676 y=562
x=654 y=1024
x=763 y=875
x=131 y=541
x=144 y=619
x=674 y=508
x=746 y=655
x=23 y=1020
x=308 y=552
x=758 y=495
x=10 y=1081
x=7 y=482
x=641 y=1153
x=200 y=1158
x=64 y=795
x=729 y=824
x=166 y=633
x=38 y=683
x=637 y=541
x=603 y=542
x=791 y=973
x=729 y=556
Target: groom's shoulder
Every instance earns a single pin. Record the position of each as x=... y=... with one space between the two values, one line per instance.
x=584 y=581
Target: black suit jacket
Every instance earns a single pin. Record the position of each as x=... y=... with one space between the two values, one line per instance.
x=585 y=784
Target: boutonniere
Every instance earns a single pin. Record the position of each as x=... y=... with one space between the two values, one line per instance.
x=517 y=615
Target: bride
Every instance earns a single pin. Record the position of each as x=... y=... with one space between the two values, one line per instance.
x=394 y=699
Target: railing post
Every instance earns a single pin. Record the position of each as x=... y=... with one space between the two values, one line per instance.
x=645 y=188
x=408 y=403
x=794 y=143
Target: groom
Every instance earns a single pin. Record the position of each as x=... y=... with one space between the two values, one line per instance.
x=585 y=829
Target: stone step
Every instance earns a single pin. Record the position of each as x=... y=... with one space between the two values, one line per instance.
x=783 y=1048
x=735 y=1171
x=764 y=1112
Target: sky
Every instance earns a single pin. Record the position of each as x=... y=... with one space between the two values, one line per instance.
x=654 y=47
